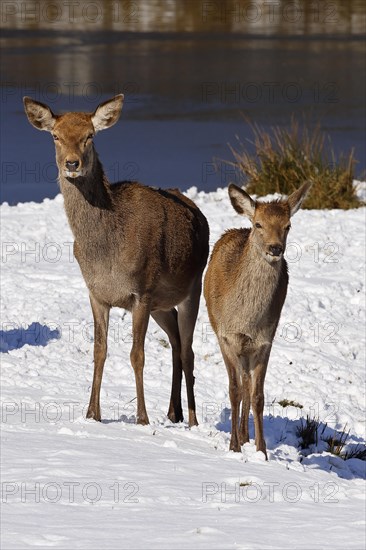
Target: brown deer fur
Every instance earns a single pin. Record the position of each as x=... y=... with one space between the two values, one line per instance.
x=245 y=289
x=139 y=248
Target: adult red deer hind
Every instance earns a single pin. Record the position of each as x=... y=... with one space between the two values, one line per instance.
x=139 y=248
x=245 y=289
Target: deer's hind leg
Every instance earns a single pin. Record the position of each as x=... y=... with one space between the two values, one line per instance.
x=168 y=321
x=187 y=315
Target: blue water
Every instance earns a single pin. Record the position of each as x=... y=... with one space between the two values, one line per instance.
x=185 y=97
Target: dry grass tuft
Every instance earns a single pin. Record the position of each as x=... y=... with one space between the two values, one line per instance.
x=285 y=158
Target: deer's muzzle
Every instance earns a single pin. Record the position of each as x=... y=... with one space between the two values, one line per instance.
x=72 y=169
x=274 y=253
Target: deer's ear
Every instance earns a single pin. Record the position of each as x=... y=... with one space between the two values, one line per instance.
x=39 y=115
x=241 y=201
x=107 y=113
x=296 y=199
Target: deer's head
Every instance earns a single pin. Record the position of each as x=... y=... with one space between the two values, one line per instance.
x=73 y=132
x=271 y=220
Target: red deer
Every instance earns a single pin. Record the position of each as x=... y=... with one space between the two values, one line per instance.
x=138 y=248
x=245 y=288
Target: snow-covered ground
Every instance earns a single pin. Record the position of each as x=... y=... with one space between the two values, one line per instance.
x=70 y=483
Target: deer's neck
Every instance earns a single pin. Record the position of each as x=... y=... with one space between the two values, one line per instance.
x=88 y=203
x=258 y=281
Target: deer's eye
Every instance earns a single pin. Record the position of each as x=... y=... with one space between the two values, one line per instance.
x=55 y=137
x=288 y=227
x=258 y=225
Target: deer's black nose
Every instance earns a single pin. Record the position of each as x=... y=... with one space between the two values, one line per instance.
x=276 y=249
x=72 y=165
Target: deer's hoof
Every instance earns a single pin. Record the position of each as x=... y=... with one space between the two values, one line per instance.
x=142 y=420
x=193 y=422
x=94 y=415
x=235 y=446
x=262 y=447
x=243 y=440
x=175 y=416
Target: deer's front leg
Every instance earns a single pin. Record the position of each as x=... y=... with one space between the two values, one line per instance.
x=232 y=363
x=245 y=406
x=258 y=373
x=140 y=321
x=101 y=321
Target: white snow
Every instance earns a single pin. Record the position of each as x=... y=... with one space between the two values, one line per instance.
x=69 y=483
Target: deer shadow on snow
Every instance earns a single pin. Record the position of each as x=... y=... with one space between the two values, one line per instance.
x=33 y=335
x=281 y=430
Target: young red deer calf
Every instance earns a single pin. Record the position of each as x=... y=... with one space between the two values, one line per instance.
x=139 y=248
x=245 y=288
